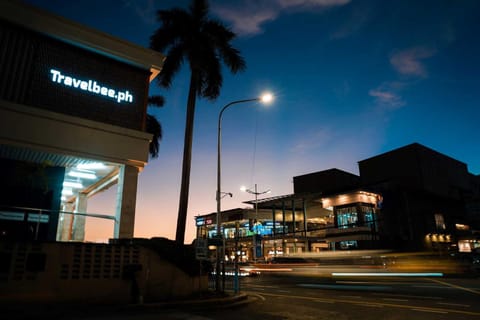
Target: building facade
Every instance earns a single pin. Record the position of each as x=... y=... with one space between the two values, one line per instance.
x=73 y=104
x=409 y=199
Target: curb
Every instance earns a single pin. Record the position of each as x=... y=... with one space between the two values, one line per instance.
x=26 y=311
x=231 y=301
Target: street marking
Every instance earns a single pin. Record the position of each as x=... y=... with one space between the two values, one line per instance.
x=367 y=304
x=344 y=287
x=258 y=296
x=261 y=286
x=393 y=299
x=455 y=286
x=360 y=282
x=427 y=286
x=407 y=296
x=371 y=304
x=454 y=304
x=429 y=310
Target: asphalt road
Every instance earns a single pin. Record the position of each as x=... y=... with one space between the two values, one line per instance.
x=285 y=296
x=290 y=296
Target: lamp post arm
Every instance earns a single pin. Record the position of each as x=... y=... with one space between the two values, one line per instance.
x=225 y=107
x=219 y=145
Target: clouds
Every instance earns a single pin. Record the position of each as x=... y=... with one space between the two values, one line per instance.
x=144 y=9
x=385 y=96
x=409 y=62
x=309 y=141
x=247 y=17
x=246 y=21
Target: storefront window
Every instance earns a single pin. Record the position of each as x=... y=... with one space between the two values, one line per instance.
x=439 y=221
x=370 y=217
x=347 y=245
x=347 y=217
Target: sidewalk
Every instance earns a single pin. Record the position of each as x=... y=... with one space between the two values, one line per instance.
x=168 y=310
x=228 y=301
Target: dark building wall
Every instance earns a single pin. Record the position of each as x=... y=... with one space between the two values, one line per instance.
x=417 y=167
x=443 y=175
x=25 y=78
x=327 y=181
x=29 y=185
x=473 y=201
x=416 y=183
x=407 y=216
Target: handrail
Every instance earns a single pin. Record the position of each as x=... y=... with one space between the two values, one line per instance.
x=48 y=211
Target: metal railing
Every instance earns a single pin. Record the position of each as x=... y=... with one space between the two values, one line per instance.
x=36 y=216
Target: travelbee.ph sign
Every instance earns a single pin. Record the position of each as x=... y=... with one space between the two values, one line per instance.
x=69 y=79
x=90 y=85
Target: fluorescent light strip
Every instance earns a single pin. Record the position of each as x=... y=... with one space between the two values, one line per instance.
x=92 y=165
x=72 y=184
x=84 y=175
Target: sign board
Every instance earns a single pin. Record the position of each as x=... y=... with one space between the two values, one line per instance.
x=201 y=249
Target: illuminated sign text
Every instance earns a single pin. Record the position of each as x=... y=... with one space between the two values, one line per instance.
x=91 y=86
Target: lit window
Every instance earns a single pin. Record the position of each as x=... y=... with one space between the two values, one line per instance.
x=439 y=221
x=347 y=218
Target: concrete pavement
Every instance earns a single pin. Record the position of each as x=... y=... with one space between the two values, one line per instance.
x=165 y=310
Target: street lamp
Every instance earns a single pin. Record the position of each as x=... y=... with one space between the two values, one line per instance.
x=265 y=98
x=256 y=193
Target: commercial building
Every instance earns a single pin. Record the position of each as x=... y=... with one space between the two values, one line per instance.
x=73 y=104
x=411 y=198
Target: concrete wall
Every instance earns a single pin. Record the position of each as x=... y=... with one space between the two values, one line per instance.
x=90 y=273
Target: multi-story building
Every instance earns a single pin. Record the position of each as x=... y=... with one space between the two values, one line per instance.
x=73 y=104
x=411 y=198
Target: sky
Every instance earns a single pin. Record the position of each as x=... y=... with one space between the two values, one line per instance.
x=351 y=79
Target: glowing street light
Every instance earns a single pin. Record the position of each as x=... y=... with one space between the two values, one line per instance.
x=265 y=98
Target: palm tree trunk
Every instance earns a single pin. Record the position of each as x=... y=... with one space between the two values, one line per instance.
x=187 y=162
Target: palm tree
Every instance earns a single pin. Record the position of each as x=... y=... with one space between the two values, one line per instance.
x=205 y=44
x=153 y=126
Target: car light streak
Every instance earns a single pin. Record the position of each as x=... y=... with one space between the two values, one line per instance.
x=387 y=274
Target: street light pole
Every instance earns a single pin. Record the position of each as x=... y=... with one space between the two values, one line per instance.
x=256 y=193
x=266 y=98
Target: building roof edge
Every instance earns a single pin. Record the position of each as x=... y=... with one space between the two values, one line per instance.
x=55 y=26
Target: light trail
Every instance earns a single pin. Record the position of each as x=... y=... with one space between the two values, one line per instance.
x=387 y=274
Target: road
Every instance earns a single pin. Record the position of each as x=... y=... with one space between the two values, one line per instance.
x=301 y=296
x=285 y=296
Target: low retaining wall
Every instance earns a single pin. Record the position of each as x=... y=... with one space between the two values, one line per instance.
x=91 y=273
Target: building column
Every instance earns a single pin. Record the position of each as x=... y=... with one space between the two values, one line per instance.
x=304 y=210
x=64 y=231
x=293 y=219
x=294 y=227
x=126 y=202
x=78 y=229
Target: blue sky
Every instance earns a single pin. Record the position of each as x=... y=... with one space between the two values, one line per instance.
x=351 y=79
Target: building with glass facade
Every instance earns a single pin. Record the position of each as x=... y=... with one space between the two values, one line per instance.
x=411 y=198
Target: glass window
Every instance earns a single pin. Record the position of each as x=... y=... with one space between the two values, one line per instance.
x=346 y=245
x=370 y=217
x=439 y=221
x=347 y=217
